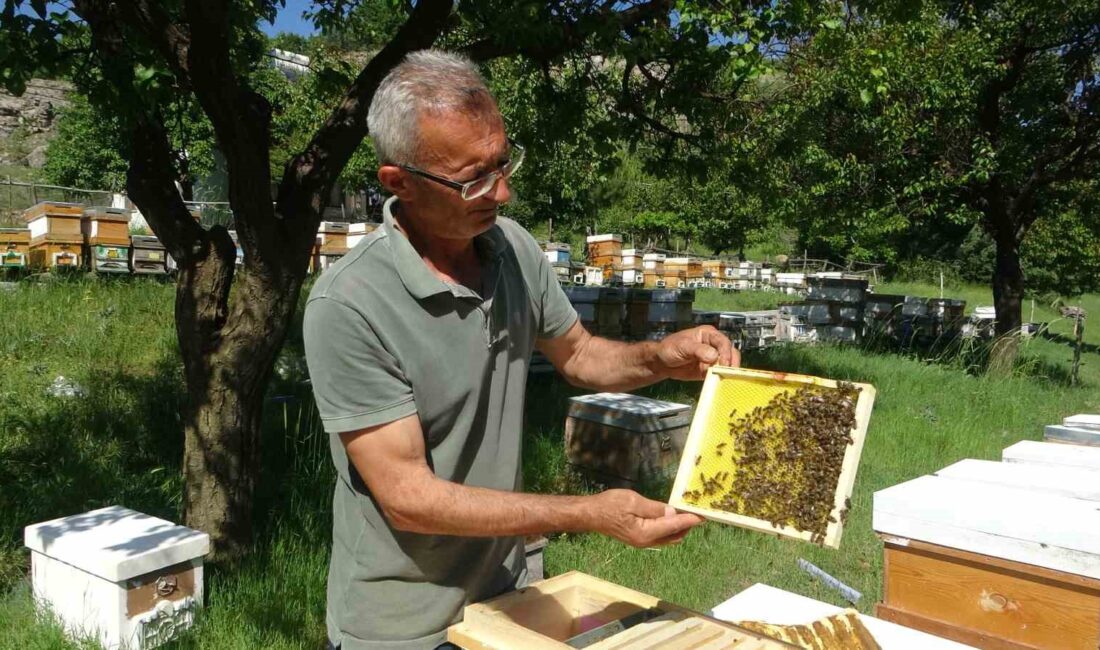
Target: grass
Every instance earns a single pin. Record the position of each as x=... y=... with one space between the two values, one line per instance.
x=121 y=443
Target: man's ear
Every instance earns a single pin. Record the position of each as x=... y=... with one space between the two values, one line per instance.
x=395 y=181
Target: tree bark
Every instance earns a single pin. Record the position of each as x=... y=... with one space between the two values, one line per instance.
x=1008 y=296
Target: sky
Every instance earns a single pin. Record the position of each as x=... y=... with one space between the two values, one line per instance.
x=289 y=19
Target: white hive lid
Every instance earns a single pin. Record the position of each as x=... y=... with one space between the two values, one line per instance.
x=677 y=260
x=1083 y=421
x=116 y=543
x=633 y=412
x=595 y=239
x=630 y=252
x=1015 y=522
x=653 y=257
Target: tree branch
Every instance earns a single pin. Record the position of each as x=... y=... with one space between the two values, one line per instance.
x=312 y=172
x=573 y=33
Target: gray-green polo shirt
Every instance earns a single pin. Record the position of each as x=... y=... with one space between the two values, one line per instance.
x=385 y=338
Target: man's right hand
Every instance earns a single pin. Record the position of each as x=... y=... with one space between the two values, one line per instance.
x=633 y=519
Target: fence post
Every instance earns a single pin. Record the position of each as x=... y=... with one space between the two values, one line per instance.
x=1079 y=334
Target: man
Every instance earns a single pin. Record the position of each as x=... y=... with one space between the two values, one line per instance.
x=418 y=343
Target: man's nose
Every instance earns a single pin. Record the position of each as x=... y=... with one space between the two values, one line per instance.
x=501 y=192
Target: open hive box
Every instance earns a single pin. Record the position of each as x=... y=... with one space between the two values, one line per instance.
x=774 y=452
x=575 y=610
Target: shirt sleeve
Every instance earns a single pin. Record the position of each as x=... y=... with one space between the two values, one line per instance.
x=357 y=383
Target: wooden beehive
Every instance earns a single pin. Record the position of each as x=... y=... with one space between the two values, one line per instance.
x=653 y=280
x=620 y=437
x=710 y=450
x=598 y=308
x=124 y=578
x=14 y=247
x=56 y=237
x=106 y=226
x=997 y=555
x=334 y=237
x=575 y=610
x=147 y=256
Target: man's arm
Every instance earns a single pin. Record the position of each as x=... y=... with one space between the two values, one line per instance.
x=391 y=460
x=601 y=364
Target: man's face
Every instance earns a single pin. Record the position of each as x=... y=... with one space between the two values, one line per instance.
x=461 y=148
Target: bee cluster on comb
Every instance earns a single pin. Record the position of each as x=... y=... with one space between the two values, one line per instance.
x=782 y=460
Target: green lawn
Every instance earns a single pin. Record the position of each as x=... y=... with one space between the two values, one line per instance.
x=121 y=443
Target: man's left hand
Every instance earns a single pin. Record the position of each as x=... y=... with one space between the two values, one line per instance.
x=687 y=354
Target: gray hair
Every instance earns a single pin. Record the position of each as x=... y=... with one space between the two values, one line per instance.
x=426 y=82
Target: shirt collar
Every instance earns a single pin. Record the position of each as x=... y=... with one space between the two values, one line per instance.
x=415 y=274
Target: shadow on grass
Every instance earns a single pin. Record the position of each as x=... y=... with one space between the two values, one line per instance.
x=120 y=443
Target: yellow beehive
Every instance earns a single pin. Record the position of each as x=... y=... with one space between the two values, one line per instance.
x=14 y=247
x=728 y=400
x=106 y=226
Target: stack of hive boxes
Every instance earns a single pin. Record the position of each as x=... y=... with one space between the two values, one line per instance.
x=560 y=256
x=147 y=256
x=653 y=270
x=107 y=239
x=676 y=272
x=747 y=276
x=833 y=311
x=998 y=554
x=14 y=246
x=332 y=243
x=633 y=273
x=605 y=252
x=56 y=237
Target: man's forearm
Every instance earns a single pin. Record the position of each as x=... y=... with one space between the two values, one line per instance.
x=606 y=365
x=431 y=505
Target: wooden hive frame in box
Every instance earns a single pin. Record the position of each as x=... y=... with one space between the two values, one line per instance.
x=711 y=420
x=549 y=614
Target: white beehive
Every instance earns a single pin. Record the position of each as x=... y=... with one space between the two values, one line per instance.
x=124 y=578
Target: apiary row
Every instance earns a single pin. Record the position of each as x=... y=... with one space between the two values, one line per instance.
x=843 y=309
x=72 y=236
x=607 y=263
x=62 y=235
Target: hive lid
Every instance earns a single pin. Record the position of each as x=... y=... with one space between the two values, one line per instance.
x=362 y=227
x=673 y=295
x=116 y=543
x=107 y=214
x=1082 y=421
x=595 y=239
x=633 y=412
x=1011 y=521
x=333 y=227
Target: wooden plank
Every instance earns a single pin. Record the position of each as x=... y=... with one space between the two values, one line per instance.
x=1014 y=605
x=1047 y=453
x=1016 y=524
x=946 y=630
x=697 y=435
x=1008 y=565
x=548 y=612
x=1072 y=435
x=1061 y=481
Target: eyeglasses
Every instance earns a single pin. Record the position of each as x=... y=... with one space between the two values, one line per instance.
x=479 y=186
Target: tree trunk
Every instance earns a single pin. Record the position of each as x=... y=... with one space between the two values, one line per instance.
x=227 y=368
x=1008 y=295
